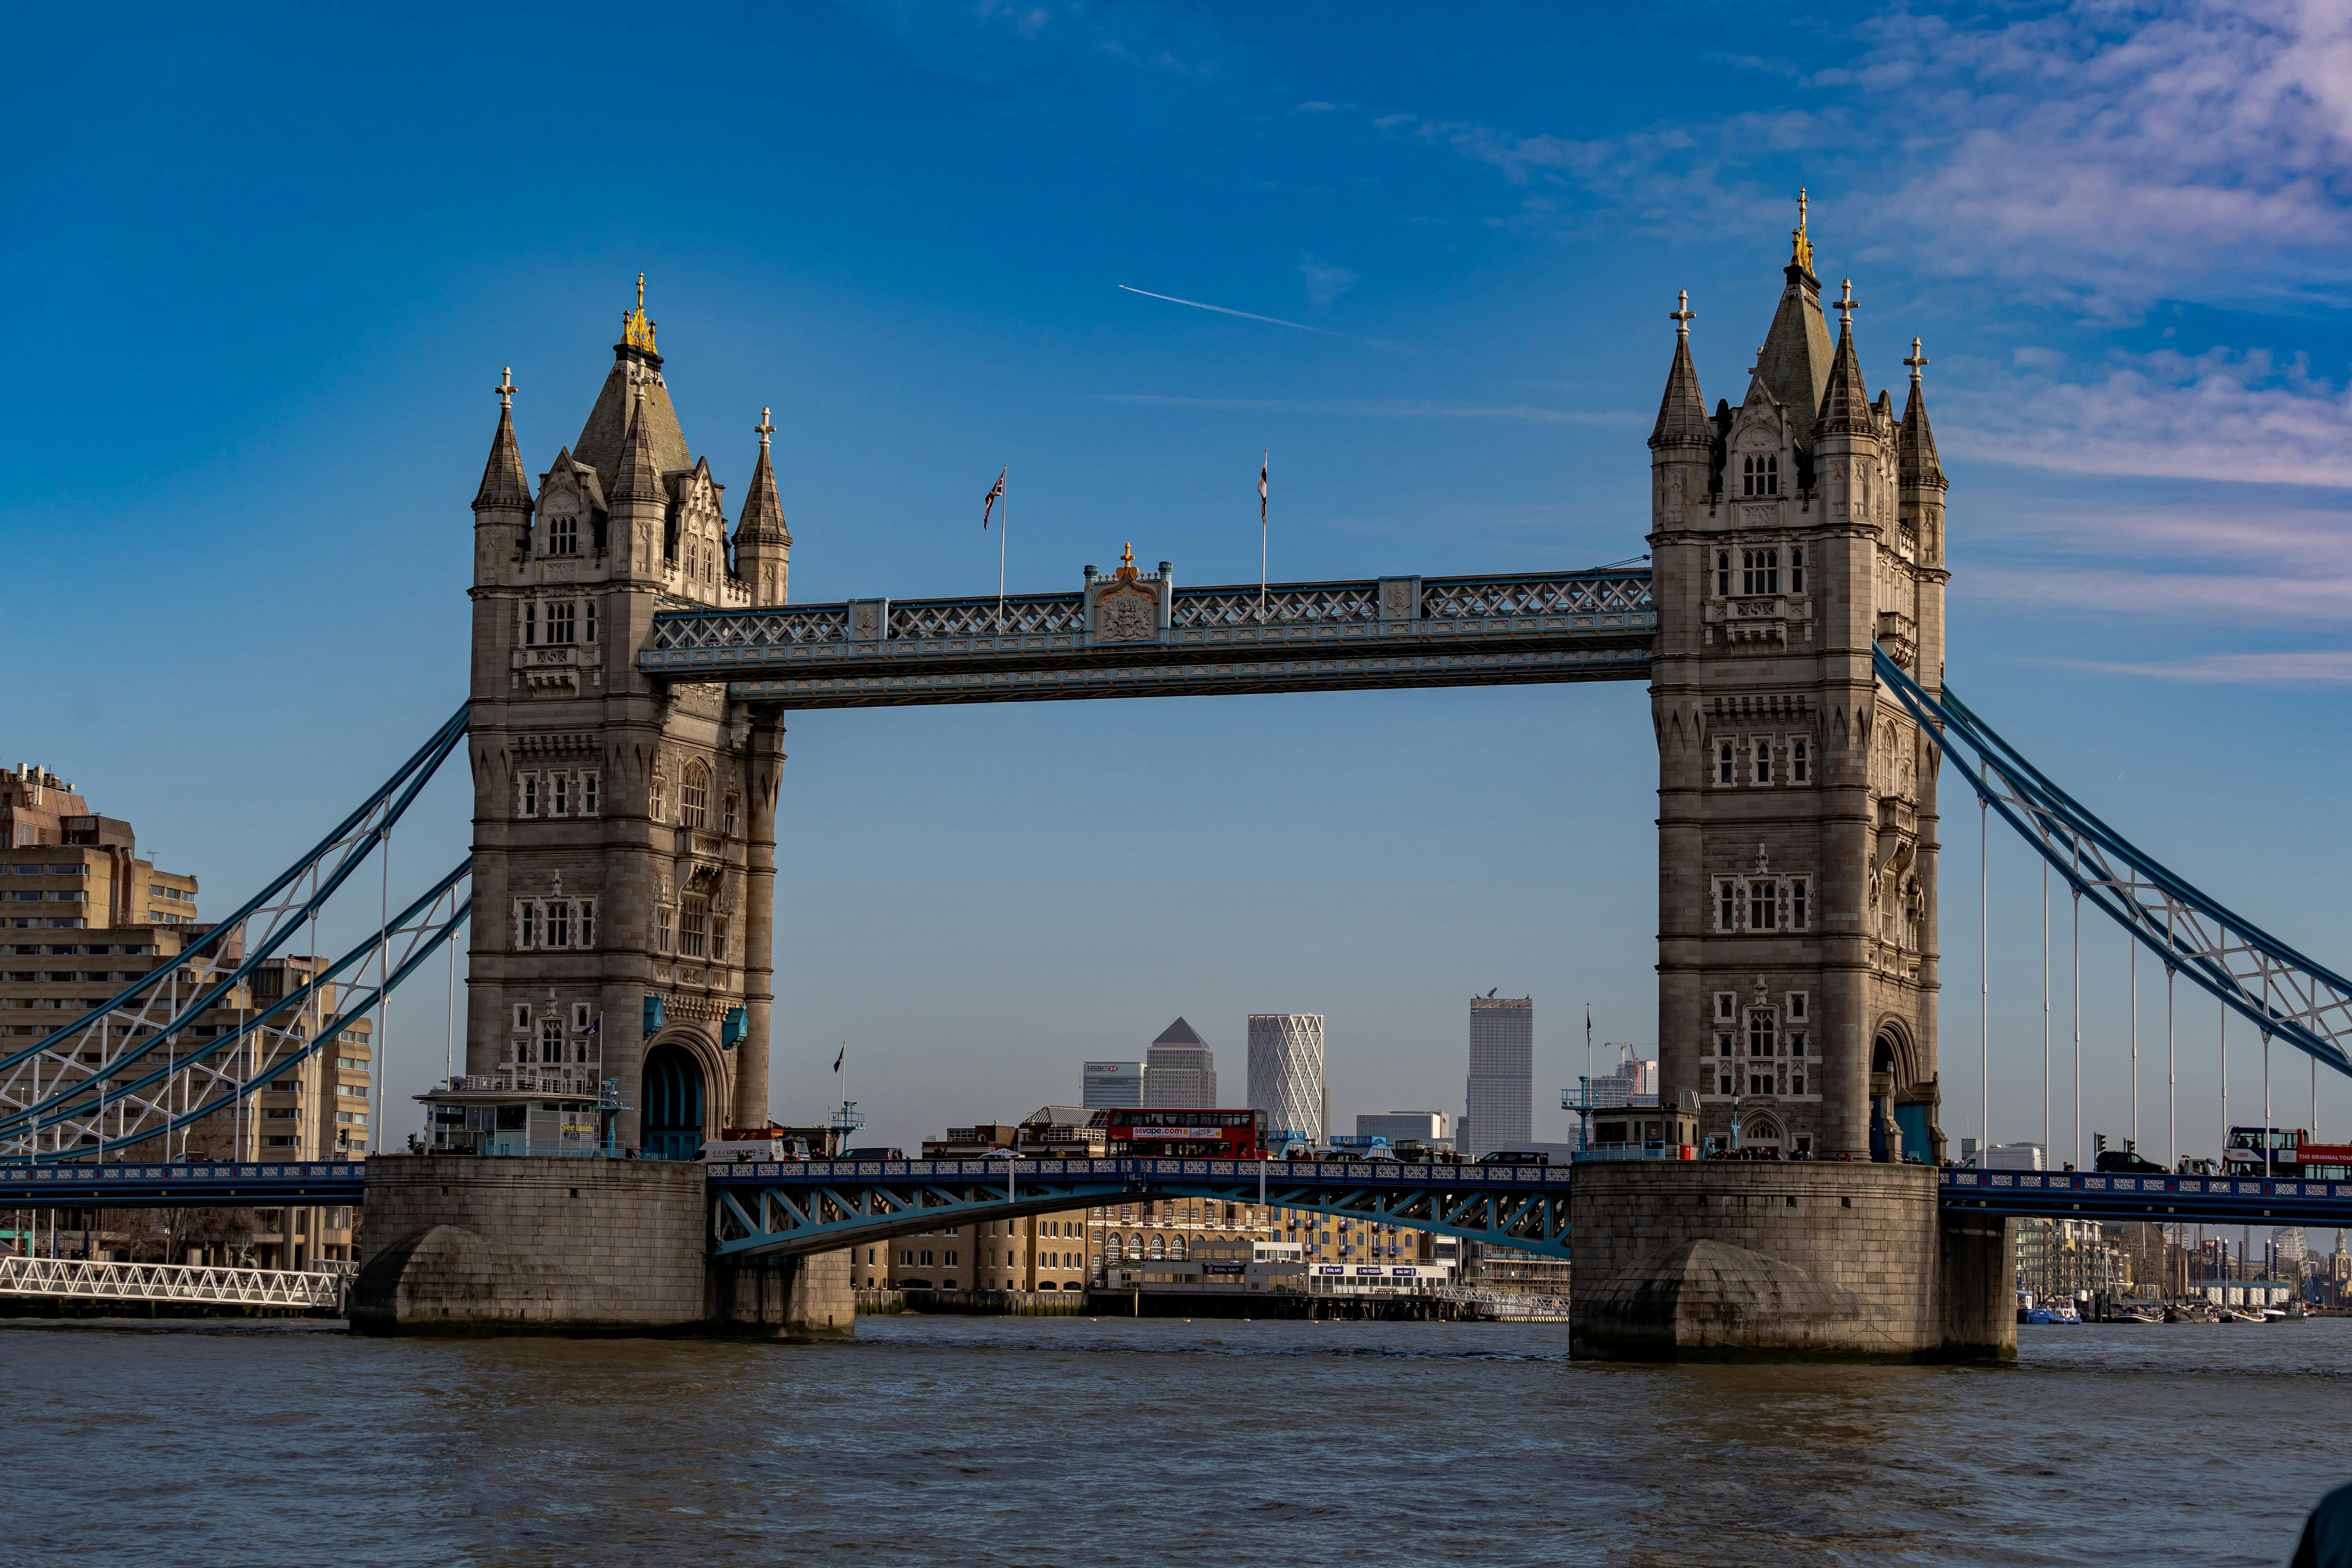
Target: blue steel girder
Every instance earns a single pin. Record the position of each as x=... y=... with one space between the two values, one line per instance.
x=791 y=1208
x=2279 y=990
x=2163 y=1200
x=181 y=1184
x=1384 y=633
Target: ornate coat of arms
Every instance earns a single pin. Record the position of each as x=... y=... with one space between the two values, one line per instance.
x=1126 y=609
x=1127 y=613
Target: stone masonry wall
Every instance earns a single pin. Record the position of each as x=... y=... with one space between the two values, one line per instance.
x=457 y=1243
x=1739 y=1260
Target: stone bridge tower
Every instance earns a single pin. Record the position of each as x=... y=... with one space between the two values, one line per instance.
x=1797 y=821
x=623 y=832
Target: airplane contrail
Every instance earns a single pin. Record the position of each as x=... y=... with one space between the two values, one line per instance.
x=1246 y=315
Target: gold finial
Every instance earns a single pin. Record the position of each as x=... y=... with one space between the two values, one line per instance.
x=1915 y=360
x=1845 y=305
x=1126 y=571
x=1682 y=315
x=1800 y=249
x=636 y=332
x=506 y=387
x=763 y=430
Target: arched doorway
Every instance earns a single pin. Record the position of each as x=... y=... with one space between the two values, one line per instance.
x=1763 y=1133
x=1885 y=1137
x=673 y=1104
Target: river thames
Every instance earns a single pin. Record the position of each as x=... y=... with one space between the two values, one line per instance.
x=1069 y=1442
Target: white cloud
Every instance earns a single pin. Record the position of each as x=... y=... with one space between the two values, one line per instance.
x=2122 y=150
x=2220 y=564
x=2101 y=153
x=1325 y=282
x=2233 y=599
x=2328 y=666
x=2244 y=417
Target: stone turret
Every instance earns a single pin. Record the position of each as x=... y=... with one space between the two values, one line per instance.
x=502 y=505
x=1683 y=442
x=640 y=503
x=763 y=545
x=1919 y=472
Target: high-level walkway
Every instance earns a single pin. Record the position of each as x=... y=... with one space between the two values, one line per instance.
x=1293 y=636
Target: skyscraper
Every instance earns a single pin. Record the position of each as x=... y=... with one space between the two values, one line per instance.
x=1177 y=1069
x=1286 y=1072
x=1500 y=1113
x=1112 y=1086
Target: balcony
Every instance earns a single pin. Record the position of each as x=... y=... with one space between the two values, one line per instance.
x=1760 y=622
x=1898 y=633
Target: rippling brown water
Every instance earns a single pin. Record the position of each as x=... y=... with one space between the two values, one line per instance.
x=1060 y=1441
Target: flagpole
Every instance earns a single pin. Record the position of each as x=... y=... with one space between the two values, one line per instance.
x=1265 y=468
x=1002 y=528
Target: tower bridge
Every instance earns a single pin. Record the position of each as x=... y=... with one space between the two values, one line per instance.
x=636 y=657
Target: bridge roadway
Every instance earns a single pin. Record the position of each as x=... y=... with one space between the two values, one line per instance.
x=1143 y=636
x=795 y=1208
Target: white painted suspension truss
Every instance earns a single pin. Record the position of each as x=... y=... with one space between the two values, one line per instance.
x=2259 y=977
x=74 y=1278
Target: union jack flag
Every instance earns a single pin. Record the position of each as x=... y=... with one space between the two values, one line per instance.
x=995 y=494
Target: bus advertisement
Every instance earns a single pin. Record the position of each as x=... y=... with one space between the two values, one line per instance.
x=1185 y=1134
x=2286 y=1153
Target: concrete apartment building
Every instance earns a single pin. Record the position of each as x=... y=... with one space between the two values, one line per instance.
x=1500 y=1109
x=82 y=918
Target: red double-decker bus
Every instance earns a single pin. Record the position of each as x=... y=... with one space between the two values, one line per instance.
x=1186 y=1134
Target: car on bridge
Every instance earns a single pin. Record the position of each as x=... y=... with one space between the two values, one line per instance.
x=2129 y=1162
x=1515 y=1157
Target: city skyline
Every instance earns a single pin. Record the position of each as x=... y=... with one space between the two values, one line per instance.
x=2145 y=490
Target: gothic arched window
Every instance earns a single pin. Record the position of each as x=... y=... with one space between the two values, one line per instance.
x=696 y=796
x=1760 y=475
x=658 y=799
x=563 y=536
x=1762 y=1032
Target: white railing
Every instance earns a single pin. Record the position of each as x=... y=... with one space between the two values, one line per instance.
x=71 y=1278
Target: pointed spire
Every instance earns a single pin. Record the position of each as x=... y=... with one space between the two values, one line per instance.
x=505 y=487
x=764 y=515
x=1682 y=412
x=1915 y=447
x=1794 y=362
x=639 y=477
x=1846 y=403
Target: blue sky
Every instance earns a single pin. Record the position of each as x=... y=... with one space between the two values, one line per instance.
x=266 y=266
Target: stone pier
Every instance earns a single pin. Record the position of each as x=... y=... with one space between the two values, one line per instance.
x=1800 y=1260
x=462 y=1244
